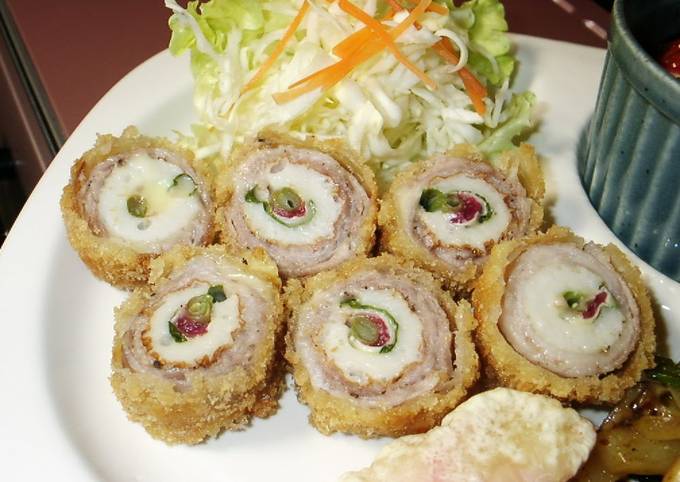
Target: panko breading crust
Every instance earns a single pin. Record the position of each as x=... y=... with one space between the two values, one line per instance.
x=334 y=148
x=395 y=236
x=108 y=259
x=509 y=368
x=212 y=404
x=330 y=413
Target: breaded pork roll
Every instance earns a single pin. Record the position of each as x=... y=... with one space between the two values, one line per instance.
x=310 y=205
x=447 y=212
x=378 y=348
x=131 y=198
x=564 y=317
x=197 y=351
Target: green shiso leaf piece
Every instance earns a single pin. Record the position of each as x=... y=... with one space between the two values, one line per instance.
x=175 y=334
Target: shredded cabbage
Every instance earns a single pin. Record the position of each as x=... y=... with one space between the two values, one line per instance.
x=381 y=109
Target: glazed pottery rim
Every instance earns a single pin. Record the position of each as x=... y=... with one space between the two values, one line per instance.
x=644 y=73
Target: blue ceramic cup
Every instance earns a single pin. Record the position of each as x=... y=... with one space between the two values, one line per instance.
x=629 y=161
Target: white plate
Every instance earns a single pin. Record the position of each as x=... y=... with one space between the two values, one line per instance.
x=59 y=416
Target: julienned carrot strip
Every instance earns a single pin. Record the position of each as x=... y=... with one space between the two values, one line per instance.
x=278 y=50
x=351 y=43
x=440 y=9
x=354 y=41
x=378 y=28
x=395 y=5
x=324 y=78
x=328 y=77
x=475 y=89
x=477 y=97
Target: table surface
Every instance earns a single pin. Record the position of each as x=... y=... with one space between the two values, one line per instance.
x=77 y=50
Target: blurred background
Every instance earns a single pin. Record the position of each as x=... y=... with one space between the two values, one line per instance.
x=57 y=58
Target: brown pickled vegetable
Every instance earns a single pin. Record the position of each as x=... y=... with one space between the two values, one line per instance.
x=641 y=435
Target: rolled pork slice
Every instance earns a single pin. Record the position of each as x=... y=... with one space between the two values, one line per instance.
x=310 y=205
x=446 y=213
x=378 y=348
x=197 y=351
x=564 y=317
x=131 y=198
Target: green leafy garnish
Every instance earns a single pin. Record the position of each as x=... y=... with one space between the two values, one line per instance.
x=488 y=38
x=666 y=372
x=183 y=185
x=519 y=121
x=488 y=210
x=175 y=334
x=137 y=206
x=351 y=303
x=251 y=197
x=217 y=293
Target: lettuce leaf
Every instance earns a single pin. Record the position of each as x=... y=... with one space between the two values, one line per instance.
x=216 y=19
x=518 y=121
x=489 y=43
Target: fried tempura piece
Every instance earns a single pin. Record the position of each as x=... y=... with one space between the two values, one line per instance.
x=198 y=351
x=497 y=436
x=378 y=348
x=311 y=205
x=447 y=212
x=563 y=317
x=130 y=198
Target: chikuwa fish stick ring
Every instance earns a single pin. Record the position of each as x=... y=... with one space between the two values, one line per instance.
x=377 y=348
x=447 y=212
x=310 y=205
x=564 y=317
x=131 y=198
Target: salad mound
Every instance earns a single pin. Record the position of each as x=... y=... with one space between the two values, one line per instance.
x=397 y=81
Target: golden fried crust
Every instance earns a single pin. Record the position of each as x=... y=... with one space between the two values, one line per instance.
x=330 y=413
x=347 y=158
x=395 y=231
x=212 y=403
x=110 y=260
x=508 y=368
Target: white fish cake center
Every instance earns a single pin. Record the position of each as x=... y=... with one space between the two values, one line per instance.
x=168 y=214
x=360 y=366
x=476 y=234
x=224 y=320
x=310 y=186
x=543 y=305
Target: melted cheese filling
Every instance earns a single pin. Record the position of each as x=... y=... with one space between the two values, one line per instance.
x=361 y=366
x=547 y=313
x=224 y=319
x=476 y=234
x=310 y=185
x=149 y=177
